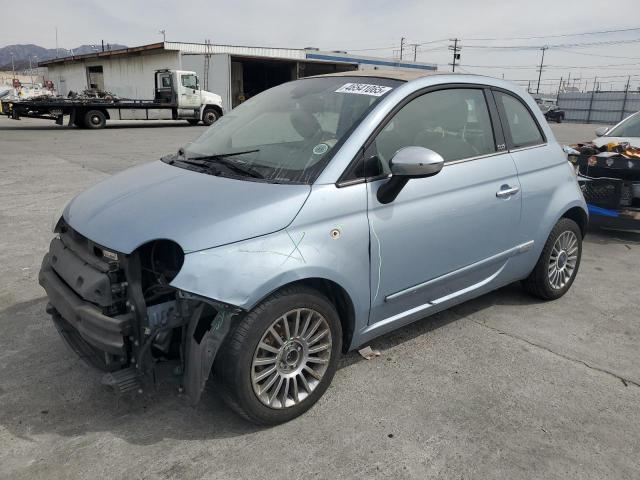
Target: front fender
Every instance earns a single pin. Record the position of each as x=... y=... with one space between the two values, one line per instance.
x=329 y=239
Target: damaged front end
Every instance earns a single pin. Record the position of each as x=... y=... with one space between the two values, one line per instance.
x=610 y=181
x=120 y=314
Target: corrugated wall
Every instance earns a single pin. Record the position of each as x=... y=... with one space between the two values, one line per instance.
x=598 y=107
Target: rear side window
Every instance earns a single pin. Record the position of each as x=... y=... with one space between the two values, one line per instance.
x=521 y=128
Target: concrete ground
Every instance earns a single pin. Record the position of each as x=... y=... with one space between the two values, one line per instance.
x=500 y=387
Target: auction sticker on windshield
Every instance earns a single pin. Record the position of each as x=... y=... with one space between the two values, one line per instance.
x=364 y=89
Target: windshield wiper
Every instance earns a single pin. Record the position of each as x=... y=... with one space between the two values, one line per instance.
x=221 y=158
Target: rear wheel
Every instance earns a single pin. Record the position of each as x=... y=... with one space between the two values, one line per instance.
x=209 y=116
x=95 y=119
x=559 y=261
x=281 y=357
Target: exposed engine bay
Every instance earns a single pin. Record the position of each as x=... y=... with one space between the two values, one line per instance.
x=120 y=314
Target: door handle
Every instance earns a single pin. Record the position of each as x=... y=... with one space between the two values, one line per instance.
x=507 y=192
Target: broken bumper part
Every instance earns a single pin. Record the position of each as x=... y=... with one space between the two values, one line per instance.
x=102 y=332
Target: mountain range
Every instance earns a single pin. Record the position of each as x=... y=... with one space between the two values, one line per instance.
x=22 y=53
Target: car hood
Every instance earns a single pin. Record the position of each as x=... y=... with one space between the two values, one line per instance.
x=196 y=210
x=600 y=141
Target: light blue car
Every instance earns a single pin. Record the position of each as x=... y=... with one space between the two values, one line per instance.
x=311 y=219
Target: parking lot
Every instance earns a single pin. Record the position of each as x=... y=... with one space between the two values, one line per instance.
x=504 y=386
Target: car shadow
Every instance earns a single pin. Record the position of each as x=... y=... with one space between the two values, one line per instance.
x=608 y=237
x=51 y=391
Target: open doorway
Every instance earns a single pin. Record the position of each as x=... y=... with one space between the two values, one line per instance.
x=250 y=76
x=95 y=78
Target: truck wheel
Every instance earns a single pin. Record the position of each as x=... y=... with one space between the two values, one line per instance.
x=193 y=121
x=558 y=263
x=281 y=357
x=209 y=116
x=95 y=119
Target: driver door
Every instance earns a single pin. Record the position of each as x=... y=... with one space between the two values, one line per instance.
x=189 y=91
x=449 y=234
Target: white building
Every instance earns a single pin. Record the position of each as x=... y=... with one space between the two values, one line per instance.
x=233 y=72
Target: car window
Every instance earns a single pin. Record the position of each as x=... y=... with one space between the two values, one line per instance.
x=521 y=127
x=266 y=129
x=289 y=133
x=629 y=128
x=166 y=81
x=190 y=81
x=454 y=123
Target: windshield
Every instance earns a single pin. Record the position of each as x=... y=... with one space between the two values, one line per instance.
x=628 y=128
x=290 y=132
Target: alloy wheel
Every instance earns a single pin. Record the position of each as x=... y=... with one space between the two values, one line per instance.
x=291 y=358
x=563 y=260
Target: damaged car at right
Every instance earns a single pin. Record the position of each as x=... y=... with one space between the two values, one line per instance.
x=313 y=218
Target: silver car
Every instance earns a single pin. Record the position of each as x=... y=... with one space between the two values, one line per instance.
x=311 y=219
x=628 y=130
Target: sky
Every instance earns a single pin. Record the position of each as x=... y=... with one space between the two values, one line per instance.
x=485 y=27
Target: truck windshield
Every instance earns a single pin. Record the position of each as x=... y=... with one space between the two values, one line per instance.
x=629 y=128
x=290 y=132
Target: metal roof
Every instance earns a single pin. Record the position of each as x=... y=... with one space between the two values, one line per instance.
x=108 y=53
x=306 y=54
x=203 y=48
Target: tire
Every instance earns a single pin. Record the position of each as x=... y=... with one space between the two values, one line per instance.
x=565 y=237
x=95 y=119
x=193 y=121
x=559 y=120
x=210 y=116
x=295 y=389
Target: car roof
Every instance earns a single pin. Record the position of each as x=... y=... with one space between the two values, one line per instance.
x=392 y=73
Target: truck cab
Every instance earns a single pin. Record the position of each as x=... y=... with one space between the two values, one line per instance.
x=182 y=89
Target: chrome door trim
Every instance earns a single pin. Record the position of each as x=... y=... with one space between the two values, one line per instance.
x=520 y=149
x=523 y=247
x=477 y=157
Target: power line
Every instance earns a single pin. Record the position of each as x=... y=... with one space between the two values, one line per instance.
x=564 y=67
x=557 y=36
x=597 y=55
x=555 y=46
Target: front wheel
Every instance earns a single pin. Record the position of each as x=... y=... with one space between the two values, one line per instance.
x=281 y=357
x=559 y=261
x=209 y=116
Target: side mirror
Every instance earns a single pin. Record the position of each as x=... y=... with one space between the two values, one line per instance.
x=601 y=131
x=408 y=163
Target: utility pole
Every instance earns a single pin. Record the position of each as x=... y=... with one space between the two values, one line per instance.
x=455 y=48
x=401 y=47
x=544 y=49
x=163 y=32
x=415 y=51
x=57 y=51
x=13 y=66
